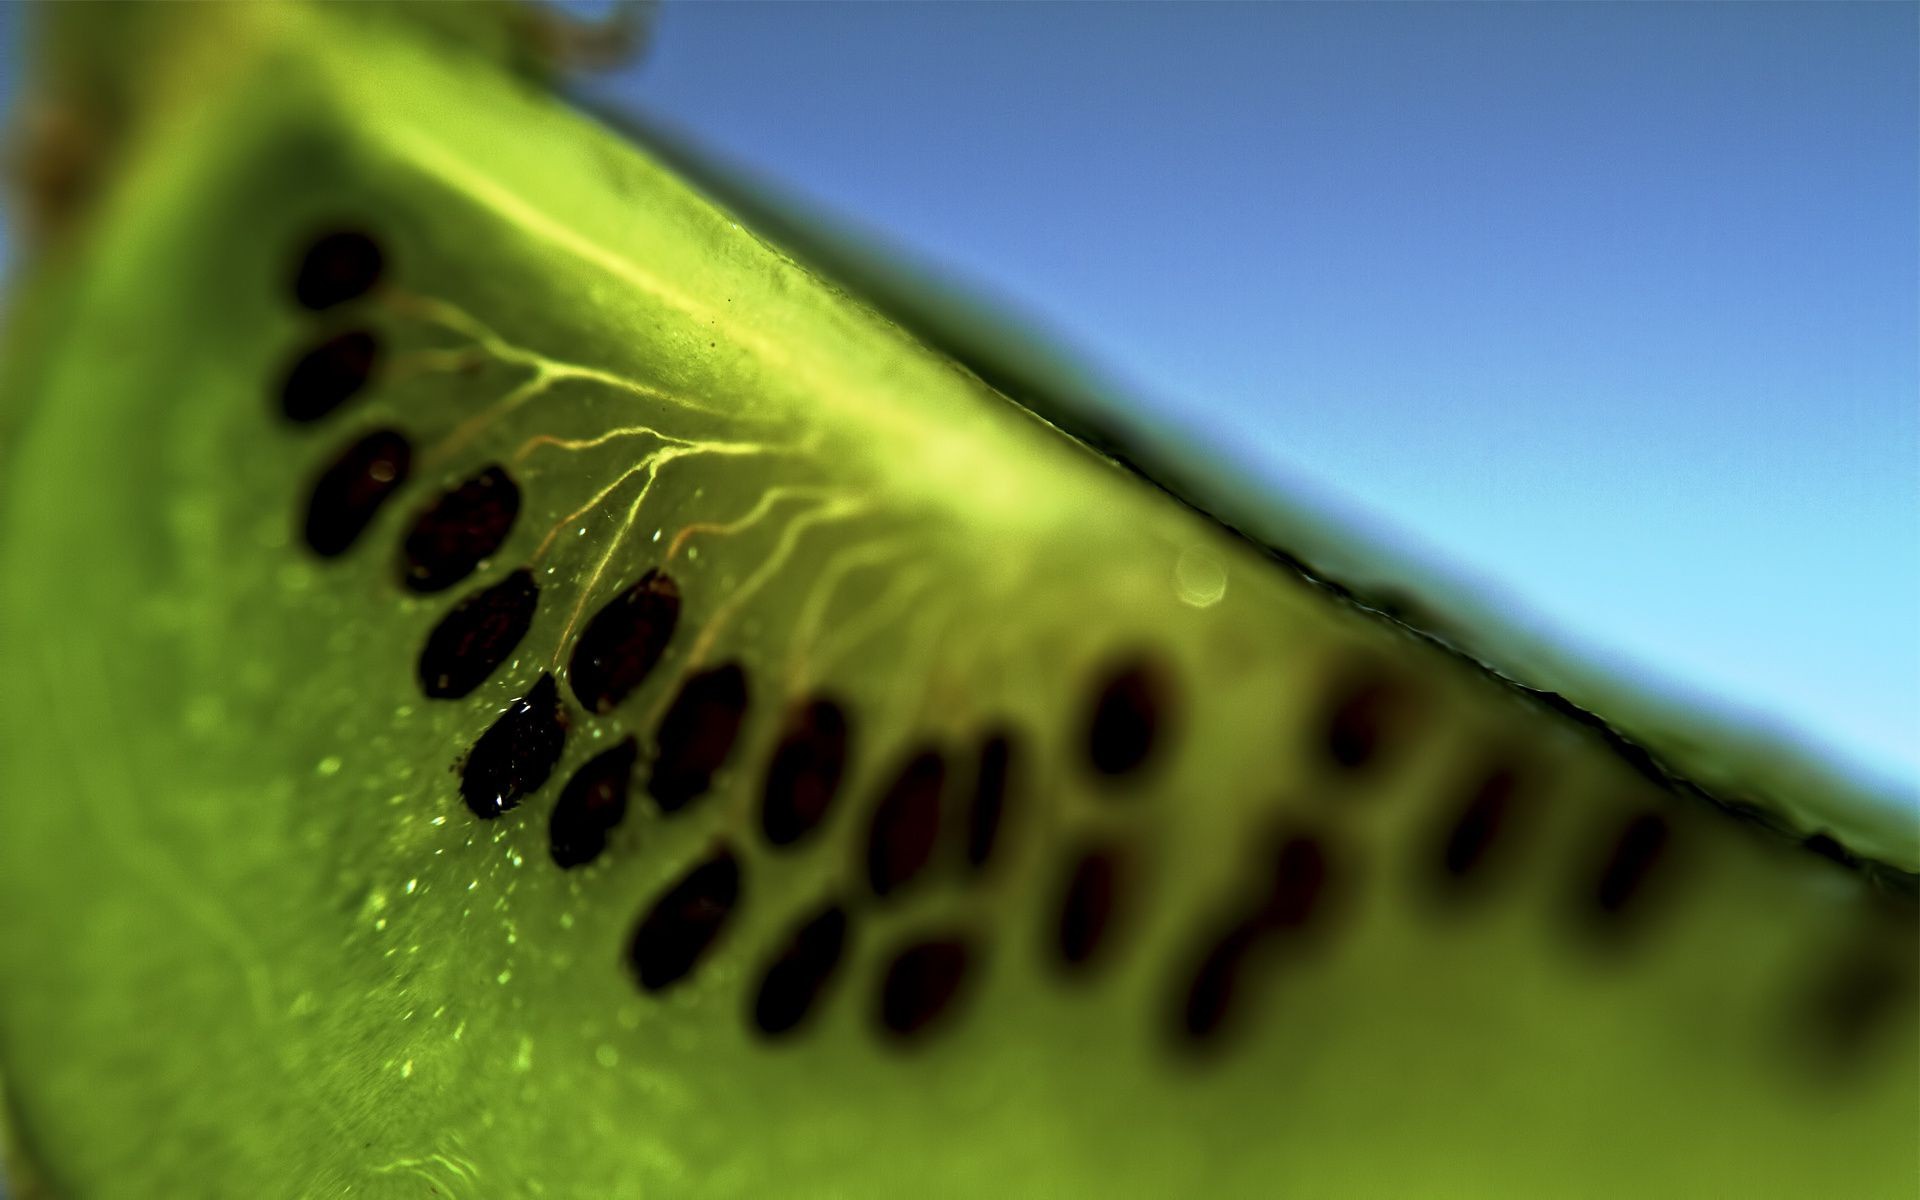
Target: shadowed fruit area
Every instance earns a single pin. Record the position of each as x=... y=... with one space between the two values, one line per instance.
x=520 y=688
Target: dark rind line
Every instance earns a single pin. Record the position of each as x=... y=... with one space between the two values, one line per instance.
x=1883 y=877
x=836 y=258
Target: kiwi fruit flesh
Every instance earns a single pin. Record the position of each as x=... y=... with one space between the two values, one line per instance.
x=520 y=687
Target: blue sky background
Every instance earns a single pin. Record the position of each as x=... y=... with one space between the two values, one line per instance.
x=1616 y=307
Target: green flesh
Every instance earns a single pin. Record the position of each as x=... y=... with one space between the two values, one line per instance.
x=255 y=944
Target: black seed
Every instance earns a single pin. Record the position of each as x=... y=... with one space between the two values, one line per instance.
x=352 y=489
x=1283 y=918
x=476 y=636
x=795 y=979
x=804 y=775
x=591 y=805
x=621 y=645
x=921 y=985
x=1125 y=721
x=328 y=375
x=1361 y=722
x=1827 y=847
x=1087 y=906
x=1478 y=824
x=459 y=530
x=1299 y=879
x=1209 y=997
x=697 y=734
x=683 y=924
x=1851 y=1005
x=989 y=798
x=1640 y=846
x=906 y=824
x=516 y=753
x=337 y=268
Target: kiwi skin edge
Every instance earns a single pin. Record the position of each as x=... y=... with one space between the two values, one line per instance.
x=237 y=822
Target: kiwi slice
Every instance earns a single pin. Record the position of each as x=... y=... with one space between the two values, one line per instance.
x=517 y=687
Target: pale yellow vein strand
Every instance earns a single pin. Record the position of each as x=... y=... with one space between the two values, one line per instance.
x=437 y=360
x=800 y=368
x=648 y=465
x=939 y=619
x=783 y=550
x=431 y=154
x=768 y=500
x=901 y=590
x=420 y=1169
x=814 y=609
x=990 y=642
x=579 y=444
x=652 y=468
x=613 y=544
x=452 y=317
x=633 y=387
x=592 y=503
x=457 y=439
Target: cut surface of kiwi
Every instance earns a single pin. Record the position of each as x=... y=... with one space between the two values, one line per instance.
x=520 y=688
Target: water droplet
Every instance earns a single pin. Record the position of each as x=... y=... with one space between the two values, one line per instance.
x=1198 y=578
x=330 y=765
